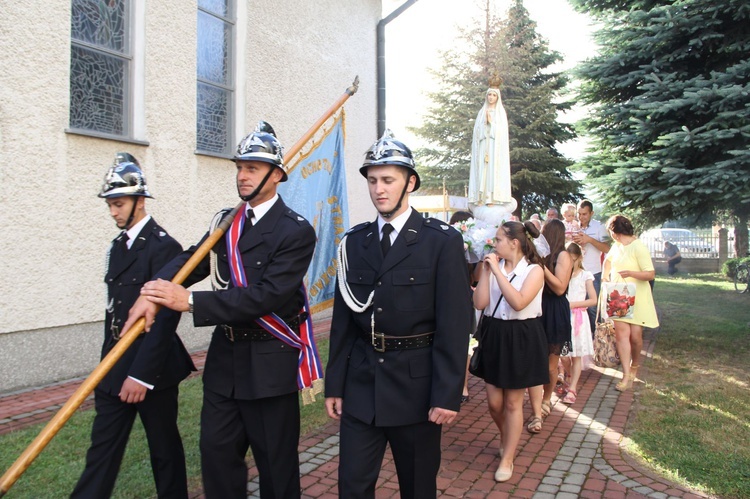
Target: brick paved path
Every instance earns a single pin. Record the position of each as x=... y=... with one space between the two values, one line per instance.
x=577 y=454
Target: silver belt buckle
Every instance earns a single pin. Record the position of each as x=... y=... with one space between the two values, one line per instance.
x=381 y=337
x=229 y=333
x=115 y=332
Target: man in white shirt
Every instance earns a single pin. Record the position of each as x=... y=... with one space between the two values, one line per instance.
x=593 y=240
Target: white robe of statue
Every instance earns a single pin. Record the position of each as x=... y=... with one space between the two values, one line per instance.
x=489 y=177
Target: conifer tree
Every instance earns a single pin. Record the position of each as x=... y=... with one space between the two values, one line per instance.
x=670 y=92
x=511 y=48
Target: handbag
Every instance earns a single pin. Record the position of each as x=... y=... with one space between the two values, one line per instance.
x=620 y=298
x=605 y=348
x=475 y=363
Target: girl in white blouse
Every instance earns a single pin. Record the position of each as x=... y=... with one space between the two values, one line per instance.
x=513 y=342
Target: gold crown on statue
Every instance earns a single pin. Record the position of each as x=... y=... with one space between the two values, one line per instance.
x=496 y=80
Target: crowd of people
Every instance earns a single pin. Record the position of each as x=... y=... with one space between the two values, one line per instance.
x=546 y=319
x=405 y=303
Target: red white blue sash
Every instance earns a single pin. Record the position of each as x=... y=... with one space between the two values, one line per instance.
x=309 y=367
x=237 y=271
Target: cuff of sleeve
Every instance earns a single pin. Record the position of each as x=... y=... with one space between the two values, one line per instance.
x=150 y=387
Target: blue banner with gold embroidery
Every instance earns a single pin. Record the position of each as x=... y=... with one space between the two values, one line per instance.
x=316 y=189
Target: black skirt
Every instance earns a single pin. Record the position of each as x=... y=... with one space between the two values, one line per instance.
x=556 y=320
x=514 y=353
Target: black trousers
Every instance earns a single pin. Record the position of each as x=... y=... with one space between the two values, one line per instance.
x=268 y=426
x=416 y=453
x=673 y=265
x=109 y=437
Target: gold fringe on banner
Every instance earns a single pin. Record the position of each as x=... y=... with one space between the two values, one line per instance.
x=308 y=394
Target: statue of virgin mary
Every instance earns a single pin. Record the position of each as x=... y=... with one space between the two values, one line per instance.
x=489 y=177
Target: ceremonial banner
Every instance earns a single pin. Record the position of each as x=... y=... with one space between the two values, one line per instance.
x=316 y=189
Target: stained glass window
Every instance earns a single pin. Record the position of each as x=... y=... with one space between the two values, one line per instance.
x=100 y=66
x=215 y=76
x=213 y=133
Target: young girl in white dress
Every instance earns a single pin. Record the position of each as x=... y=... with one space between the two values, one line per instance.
x=581 y=294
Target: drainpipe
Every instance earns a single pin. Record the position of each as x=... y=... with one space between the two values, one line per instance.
x=381 y=61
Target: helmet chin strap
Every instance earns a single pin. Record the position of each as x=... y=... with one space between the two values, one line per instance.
x=398 y=205
x=132 y=213
x=257 y=190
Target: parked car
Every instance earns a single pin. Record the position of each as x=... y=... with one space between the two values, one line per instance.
x=689 y=243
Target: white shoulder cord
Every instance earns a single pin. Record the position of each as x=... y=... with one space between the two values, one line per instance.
x=110 y=300
x=342 y=267
x=217 y=282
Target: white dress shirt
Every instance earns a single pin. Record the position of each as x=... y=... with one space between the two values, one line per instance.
x=397 y=224
x=261 y=209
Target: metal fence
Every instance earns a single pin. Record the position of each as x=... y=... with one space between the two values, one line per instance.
x=696 y=243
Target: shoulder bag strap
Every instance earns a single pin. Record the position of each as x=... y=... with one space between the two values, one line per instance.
x=501 y=297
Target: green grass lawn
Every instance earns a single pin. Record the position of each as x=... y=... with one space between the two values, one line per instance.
x=693 y=416
x=55 y=472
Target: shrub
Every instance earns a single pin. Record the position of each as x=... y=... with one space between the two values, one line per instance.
x=730 y=266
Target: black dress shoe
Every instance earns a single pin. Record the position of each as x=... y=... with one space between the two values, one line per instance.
x=464 y=398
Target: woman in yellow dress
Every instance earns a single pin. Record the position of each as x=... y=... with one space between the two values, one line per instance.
x=629 y=260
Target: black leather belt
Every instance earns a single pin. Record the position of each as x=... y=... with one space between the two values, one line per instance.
x=383 y=342
x=246 y=334
x=258 y=333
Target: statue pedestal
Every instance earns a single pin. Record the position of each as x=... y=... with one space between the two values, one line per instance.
x=494 y=213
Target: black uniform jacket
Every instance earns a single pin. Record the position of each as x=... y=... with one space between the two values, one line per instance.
x=276 y=253
x=158 y=357
x=421 y=286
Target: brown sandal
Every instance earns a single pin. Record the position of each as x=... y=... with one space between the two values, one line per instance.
x=546 y=409
x=534 y=425
x=624 y=385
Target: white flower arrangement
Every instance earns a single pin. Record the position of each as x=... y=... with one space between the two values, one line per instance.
x=478 y=238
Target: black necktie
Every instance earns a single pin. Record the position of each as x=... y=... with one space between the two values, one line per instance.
x=122 y=244
x=385 y=242
x=249 y=220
